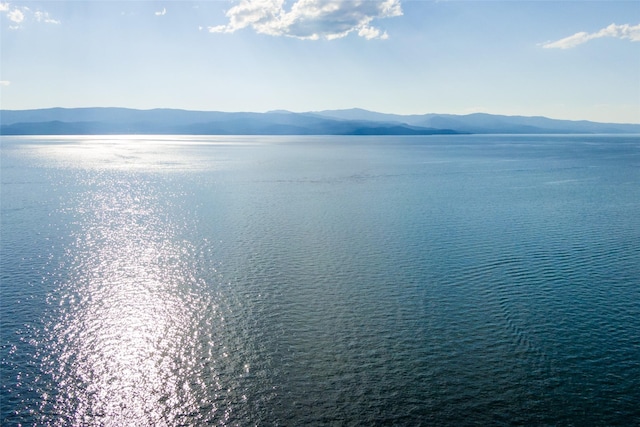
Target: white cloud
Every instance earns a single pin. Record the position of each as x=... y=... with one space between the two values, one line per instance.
x=626 y=31
x=372 y=33
x=161 y=12
x=15 y=15
x=5 y=82
x=19 y=15
x=44 y=17
x=310 y=19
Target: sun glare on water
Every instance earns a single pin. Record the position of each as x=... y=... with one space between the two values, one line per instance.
x=134 y=153
x=126 y=350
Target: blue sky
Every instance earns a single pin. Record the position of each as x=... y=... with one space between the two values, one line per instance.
x=561 y=59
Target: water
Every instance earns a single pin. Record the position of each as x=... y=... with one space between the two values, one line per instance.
x=320 y=280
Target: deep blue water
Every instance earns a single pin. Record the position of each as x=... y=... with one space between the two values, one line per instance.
x=459 y=280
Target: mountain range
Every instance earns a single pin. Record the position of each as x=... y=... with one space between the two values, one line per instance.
x=86 y=121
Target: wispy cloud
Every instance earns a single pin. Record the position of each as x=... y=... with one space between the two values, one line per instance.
x=625 y=31
x=161 y=12
x=5 y=82
x=311 y=19
x=18 y=15
x=44 y=17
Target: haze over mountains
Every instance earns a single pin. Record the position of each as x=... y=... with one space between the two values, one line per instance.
x=86 y=121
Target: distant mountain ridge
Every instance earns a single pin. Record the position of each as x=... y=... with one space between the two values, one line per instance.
x=85 y=121
x=483 y=123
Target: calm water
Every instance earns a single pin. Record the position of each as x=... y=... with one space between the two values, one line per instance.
x=320 y=280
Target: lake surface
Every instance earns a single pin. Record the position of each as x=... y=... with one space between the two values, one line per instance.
x=458 y=280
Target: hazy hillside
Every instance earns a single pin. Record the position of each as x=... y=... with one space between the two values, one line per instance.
x=81 y=121
x=486 y=123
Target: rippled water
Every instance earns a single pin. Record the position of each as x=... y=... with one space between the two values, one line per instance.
x=320 y=280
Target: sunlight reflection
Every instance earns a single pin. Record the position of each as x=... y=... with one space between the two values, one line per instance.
x=126 y=346
x=134 y=152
